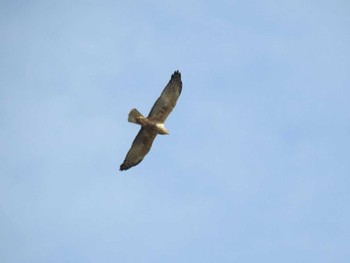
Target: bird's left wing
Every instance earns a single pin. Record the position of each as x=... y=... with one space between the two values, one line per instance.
x=139 y=148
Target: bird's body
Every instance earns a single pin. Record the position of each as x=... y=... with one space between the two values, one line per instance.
x=153 y=124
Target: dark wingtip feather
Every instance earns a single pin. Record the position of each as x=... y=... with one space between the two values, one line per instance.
x=126 y=165
x=176 y=74
x=123 y=167
x=177 y=78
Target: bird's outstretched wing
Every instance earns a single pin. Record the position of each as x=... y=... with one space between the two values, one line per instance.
x=139 y=148
x=167 y=100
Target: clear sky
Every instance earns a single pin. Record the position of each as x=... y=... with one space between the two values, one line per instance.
x=256 y=167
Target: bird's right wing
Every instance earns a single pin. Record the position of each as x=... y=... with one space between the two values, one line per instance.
x=167 y=100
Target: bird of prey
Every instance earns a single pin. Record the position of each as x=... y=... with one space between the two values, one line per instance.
x=153 y=124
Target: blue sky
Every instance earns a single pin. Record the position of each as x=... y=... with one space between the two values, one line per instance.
x=256 y=167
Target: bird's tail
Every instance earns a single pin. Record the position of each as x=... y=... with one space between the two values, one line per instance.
x=134 y=116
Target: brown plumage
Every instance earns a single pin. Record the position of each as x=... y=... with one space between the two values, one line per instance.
x=154 y=123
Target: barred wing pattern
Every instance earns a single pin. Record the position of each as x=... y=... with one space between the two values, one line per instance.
x=167 y=100
x=139 y=148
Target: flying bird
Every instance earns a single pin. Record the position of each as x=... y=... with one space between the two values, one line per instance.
x=153 y=124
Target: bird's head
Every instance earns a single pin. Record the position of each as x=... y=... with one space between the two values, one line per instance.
x=161 y=129
x=164 y=131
